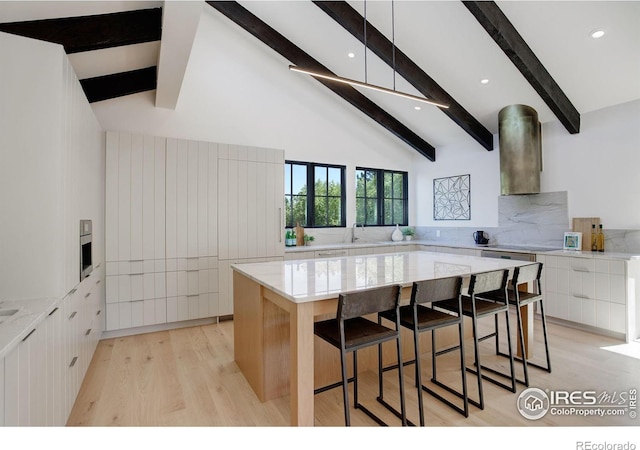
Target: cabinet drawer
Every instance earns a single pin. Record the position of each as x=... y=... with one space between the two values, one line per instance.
x=329 y=253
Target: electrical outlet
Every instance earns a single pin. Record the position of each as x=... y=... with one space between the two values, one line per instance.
x=437 y=233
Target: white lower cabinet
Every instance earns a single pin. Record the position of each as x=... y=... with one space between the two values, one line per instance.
x=41 y=377
x=587 y=290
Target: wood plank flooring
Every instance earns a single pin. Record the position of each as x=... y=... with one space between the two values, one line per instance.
x=187 y=377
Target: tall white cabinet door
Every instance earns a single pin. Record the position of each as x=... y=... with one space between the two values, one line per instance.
x=124 y=197
x=148 y=200
x=159 y=197
x=136 y=197
x=192 y=199
x=171 y=198
x=182 y=218
x=212 y=206
x=111 y=197
x=202 y=216
x=223 y=208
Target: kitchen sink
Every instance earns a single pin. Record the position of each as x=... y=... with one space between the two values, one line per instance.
x=6 y=314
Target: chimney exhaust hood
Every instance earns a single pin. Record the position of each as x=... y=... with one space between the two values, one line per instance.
x=520 y=150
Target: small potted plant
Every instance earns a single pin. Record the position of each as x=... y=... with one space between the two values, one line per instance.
x=308 y=239
x=408 y=233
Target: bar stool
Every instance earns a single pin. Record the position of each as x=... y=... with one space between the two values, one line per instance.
x=475 y=307
x=350 y=332
x=419 y=318
x=530 y=273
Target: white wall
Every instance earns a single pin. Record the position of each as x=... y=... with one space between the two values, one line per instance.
x=599 y=167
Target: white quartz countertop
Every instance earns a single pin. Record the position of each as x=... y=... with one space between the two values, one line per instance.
x=318 y=279
x=18 y=326
x=518 y=248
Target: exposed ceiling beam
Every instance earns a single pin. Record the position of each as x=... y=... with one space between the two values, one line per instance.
x=179 y=25
x=297 y=56
x=80 y=34
x=514 y=46
x=353 y=22
x=119 y=84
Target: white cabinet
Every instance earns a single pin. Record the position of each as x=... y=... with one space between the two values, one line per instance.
x=587 y=290
x=2 y=392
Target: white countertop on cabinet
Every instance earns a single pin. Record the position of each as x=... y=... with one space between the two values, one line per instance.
x=317 y=279
x=18 y=326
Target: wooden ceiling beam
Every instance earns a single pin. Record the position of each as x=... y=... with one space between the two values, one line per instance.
x=84 y=33
x=494 y=21
x=297 y=56
x=119 y=84
x=353 y=22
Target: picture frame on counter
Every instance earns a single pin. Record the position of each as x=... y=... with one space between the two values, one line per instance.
x=572 y=240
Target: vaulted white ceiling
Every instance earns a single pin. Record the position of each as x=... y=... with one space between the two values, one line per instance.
x=442 y=37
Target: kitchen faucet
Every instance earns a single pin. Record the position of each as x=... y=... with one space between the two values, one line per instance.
x=353 y=232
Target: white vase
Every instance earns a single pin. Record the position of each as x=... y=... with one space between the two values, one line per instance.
x=397 y=234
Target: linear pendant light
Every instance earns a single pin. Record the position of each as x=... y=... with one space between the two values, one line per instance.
x=365 y=84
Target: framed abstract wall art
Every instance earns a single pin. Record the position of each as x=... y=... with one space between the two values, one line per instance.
x=452 y=198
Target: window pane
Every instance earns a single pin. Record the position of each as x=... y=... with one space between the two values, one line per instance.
x=320 y=211
x=388 y=213
x=320 y=181
x=299 y=179
x=360 y=210
x=334 y=216
x=372 y=184
x=335 y=176
x=398 y=211
x=388 y=184
x=360 y=176
x=287 y=179
x=371 y=212
x=299 y=211
x=398 y=185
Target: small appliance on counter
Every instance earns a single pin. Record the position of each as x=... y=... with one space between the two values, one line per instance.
x=86 y=266
x=480 y=238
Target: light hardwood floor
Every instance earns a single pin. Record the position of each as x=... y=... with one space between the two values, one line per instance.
x=187 y=377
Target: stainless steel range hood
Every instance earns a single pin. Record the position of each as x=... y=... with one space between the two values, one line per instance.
x=520 y=150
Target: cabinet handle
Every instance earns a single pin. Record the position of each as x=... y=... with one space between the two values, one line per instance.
x=98 y=313
x=73 y=361
x=193 y=270
x=581 y=296
x=28 y=335
x=98 y=282
x=73 y=314
x=88 y=332
x=193 y=295
x=136 y=274
x=87 y=295
x=580 y=269
x=72 y=291
x=136 y=260
x=54 y=311
x=98 y=265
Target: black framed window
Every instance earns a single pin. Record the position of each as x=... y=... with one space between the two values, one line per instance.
x=321 y=206
x=381 y=197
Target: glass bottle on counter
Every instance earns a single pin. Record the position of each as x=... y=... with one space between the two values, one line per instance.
x=594 y=238
x=600 y=239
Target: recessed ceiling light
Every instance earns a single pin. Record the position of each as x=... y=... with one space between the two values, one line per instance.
x=417 y=108
x=596 y=34
x=351 y=55
x=484 y=81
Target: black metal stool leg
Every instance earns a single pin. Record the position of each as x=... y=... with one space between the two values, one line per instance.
x=345 y=388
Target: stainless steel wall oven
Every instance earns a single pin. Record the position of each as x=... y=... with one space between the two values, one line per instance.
x=86 y=265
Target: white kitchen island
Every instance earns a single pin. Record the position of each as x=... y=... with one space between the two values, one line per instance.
x=276 y=304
